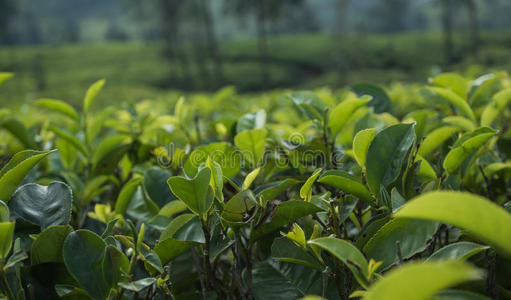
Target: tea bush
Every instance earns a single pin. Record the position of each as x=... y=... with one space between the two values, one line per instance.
x=375 y=193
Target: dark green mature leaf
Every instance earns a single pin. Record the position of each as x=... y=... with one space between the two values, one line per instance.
x=387 y=154
x=283 y=281
x=191 y=231
x=114 y=265
x=285 y=250
x=381 y=101
x=43 y=205
x=419 y=281
x=140 y=207
x=71 y=292
x=18 y=130
x=16 y=169
x=484 y=219
x=169 y=249
x=346 y=183
x=285 y=213
x=412 y=235
x=47 y=247
x=84 y=252
x=137 y=286
x=272 y=190
x=459 y=250
x=155 y=185
x=174 y=225
x=195 y=193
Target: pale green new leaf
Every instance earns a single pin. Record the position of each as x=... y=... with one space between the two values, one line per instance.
x=59 y=106
x=252 y=144
x=420 y=281
x=461 y=122
x=306 y=190
x=436 y=138
x=497 y=106
x=4 y=76
x=455 y=100
x=343 y=111
x=91 y=94
x=361 y=143
x=466 y=146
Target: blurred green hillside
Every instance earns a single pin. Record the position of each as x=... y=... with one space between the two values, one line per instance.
x=138 y=70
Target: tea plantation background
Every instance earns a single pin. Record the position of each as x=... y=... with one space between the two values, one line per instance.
x=255 y=149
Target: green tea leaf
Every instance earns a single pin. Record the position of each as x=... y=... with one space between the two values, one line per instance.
x=381 y=101
x=6 y=234
x=285 y=213
x=127 y=191
x=485 y=220
x=83 y=252
x=47 y=247
x=361 y=143
x=223 y=153
x=343 y=111
x=436 y=138
x=255 y=120
x=453 y=81
x=465 y=147
x=285 y=250
x=91 y=94
x=16 y=169
x=43 y=205
x=59 y=106
x=347 y=253
x=306 y=190
x=284 y=281
x=459 y=250
x=18 y=130
x=108 y=153
x=420 y=281
x=387 y=154
x=346 y=183
x=455 y=100
x=412 y=236
x=195 y=192
x=252 y=144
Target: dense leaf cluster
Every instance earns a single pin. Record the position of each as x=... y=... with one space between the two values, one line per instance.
x=397 y=193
